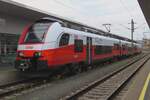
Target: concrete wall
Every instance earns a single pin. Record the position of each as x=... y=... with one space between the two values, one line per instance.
x=9 y=27
x=13 y=19
x=12 y=24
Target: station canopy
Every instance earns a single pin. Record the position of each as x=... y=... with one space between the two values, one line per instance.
x=19 y=10
x=145 y=6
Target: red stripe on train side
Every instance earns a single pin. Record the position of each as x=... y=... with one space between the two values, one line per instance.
x=64 y=55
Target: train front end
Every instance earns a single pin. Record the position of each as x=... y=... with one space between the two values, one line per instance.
x=32 y=52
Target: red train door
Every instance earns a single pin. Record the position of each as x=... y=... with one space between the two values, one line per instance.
x=89 y=50
x=120 y=47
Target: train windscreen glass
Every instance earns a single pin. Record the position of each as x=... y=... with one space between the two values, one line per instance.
x=37 y=31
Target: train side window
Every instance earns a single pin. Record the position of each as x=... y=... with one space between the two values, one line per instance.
x=117 y=47
x=98 y=50
x=78 y=45
x=123 y=47
x=108 y=49
x=64 y=40
x=102 y=50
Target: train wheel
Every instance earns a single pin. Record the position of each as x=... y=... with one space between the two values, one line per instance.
x=90 y=67
x=72 y=68
x=84 y=68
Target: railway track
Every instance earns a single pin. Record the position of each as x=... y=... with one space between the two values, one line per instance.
x=106 y=87
x=20 y=86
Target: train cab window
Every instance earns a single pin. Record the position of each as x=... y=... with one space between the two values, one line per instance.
x=64 y=40
x=78 y=45
x=36 y=33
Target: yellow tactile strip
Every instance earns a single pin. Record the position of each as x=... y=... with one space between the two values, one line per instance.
x=143 y=92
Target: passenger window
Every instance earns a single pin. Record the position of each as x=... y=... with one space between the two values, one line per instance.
x=78 y=45
x=117 y=47
x=98 y=50
x=64 y=40
x=123 y=47
x=102 y=49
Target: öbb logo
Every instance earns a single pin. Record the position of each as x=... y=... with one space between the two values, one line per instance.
x=29 y=47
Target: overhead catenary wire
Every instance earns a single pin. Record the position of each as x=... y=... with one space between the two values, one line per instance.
x=73 y=8
x=125 y=26
x=138 y=27
x=126 y=8
x=58 y=2
x=68 y=6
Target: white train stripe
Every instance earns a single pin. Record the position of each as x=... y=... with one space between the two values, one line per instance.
x=44 y=46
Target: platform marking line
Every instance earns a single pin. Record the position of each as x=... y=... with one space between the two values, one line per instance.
x=143 y=92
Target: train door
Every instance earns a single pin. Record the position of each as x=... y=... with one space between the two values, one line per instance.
x=89 y=50
x=120 y=47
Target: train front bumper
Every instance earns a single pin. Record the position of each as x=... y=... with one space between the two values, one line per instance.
x=31 y=65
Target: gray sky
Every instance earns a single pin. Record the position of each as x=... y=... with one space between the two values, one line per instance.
x=97 y=12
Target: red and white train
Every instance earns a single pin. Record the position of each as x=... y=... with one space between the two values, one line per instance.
x=46 y=44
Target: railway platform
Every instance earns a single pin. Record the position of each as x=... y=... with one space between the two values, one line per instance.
x=8 y=74
x=140 y=87
x=5 y=67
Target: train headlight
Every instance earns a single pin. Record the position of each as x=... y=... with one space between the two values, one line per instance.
x=20 y=54
x=37 y=54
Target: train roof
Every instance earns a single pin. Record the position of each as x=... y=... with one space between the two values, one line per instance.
x=85 y=28
x=76 y=32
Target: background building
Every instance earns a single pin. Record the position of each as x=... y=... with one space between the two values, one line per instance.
x=146 y=44
x=8 y=43
x=13 y=18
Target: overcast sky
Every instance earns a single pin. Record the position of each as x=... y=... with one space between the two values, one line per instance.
x=97 y=12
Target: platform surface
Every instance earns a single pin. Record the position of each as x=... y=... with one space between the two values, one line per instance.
x=140 y=87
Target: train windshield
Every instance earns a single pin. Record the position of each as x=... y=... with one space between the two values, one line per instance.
x=37 y=31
